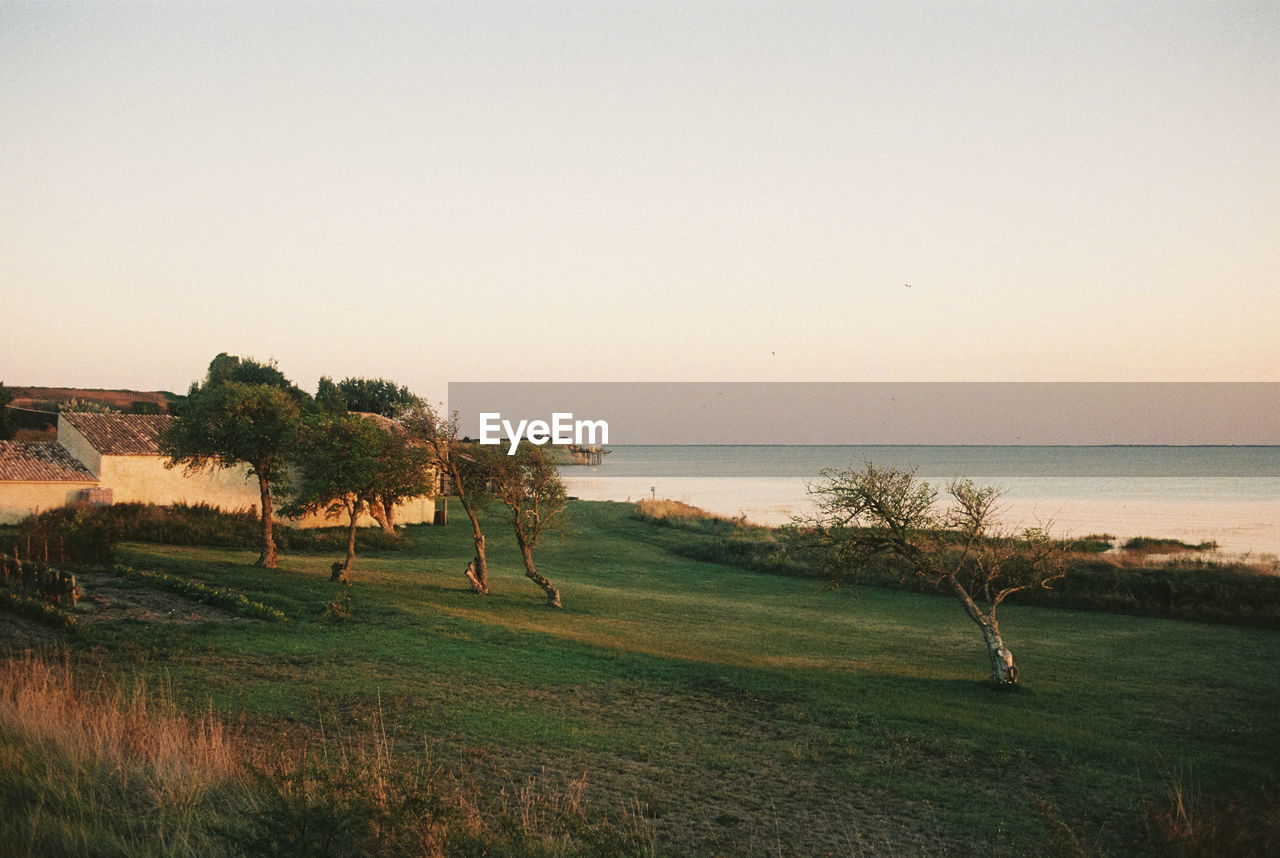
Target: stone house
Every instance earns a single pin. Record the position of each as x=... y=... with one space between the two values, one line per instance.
x=115 y=458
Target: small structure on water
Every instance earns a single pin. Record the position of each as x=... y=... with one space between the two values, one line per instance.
x=592 y=455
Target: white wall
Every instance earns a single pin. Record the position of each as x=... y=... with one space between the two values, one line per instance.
x=19 y=500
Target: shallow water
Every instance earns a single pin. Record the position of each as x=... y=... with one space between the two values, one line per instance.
x=1228 y=495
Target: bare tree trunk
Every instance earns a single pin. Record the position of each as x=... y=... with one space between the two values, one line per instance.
x=553 y=595
x=267 y=558
x=383 y=514
x=1004 y=672
x=477 y=571
x=353 y=510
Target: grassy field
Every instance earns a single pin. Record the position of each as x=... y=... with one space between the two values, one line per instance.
x=698 y=709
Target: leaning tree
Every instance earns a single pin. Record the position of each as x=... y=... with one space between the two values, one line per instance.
x=528 y=484
x=883 y=517
x=465 y=466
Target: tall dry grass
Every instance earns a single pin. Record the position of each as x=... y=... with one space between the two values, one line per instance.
x=116 y=770
x=104 y=770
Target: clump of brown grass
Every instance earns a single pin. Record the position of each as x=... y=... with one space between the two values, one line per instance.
x=673 y=510
x=41 y=703
x=101 y=770
x=1187 y=823
x=660 y=509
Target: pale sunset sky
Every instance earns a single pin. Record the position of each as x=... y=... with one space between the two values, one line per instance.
x=640 y=191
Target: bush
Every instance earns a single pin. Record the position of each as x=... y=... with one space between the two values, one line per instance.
x=81 y=534
x=87 y=533
x=39 y=581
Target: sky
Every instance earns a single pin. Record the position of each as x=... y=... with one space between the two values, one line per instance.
x=440 y=192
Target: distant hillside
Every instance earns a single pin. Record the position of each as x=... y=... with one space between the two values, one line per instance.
x=45 y=398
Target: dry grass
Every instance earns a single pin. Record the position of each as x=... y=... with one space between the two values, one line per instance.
x=660 y=510
x=106 y=770
x=120 y=771
x=670 y=509
x=41 y=704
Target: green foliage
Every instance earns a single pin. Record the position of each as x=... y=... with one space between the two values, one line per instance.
x=1150 y=545
x=38 y=580
x=225 y=369
x=36 y=609
x=232 y=424
x=235 y=602
x=180 y=524
x=338 y=456
x=375 y=396
x=351 y=465
x=80 y=533
x=1206 y=592
x=86 y=406
x=7 y=428
x=528 y=484
x=144 y=406
x=328 y=398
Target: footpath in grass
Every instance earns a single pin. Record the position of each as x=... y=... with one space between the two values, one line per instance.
x=739 y=713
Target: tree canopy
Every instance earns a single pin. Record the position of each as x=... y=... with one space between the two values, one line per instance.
x=225 y=368
x=366 y=395
x=343 y=465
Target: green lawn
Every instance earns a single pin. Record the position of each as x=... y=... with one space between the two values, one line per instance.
x=742 y=713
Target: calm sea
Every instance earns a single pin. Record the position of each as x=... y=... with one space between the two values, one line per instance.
x=1230 y=495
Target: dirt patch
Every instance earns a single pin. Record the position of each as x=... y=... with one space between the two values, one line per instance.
x=104 y=599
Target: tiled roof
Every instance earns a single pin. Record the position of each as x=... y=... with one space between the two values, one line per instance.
x=120 y=434
x=41 y=462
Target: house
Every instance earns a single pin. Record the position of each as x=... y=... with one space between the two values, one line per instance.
x=115 y=458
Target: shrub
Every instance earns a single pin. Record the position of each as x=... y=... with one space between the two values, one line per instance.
x=81 y=533
x=87 y=533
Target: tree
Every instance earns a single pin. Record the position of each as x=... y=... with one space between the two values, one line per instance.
x=465 y=466
x=339 y=463
x=405 y=470
x=884 y=515
x=375 y=396
x=529 y=485
x=7 y=429
x=329 y=398
x=231 y=423
x=226 y=368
